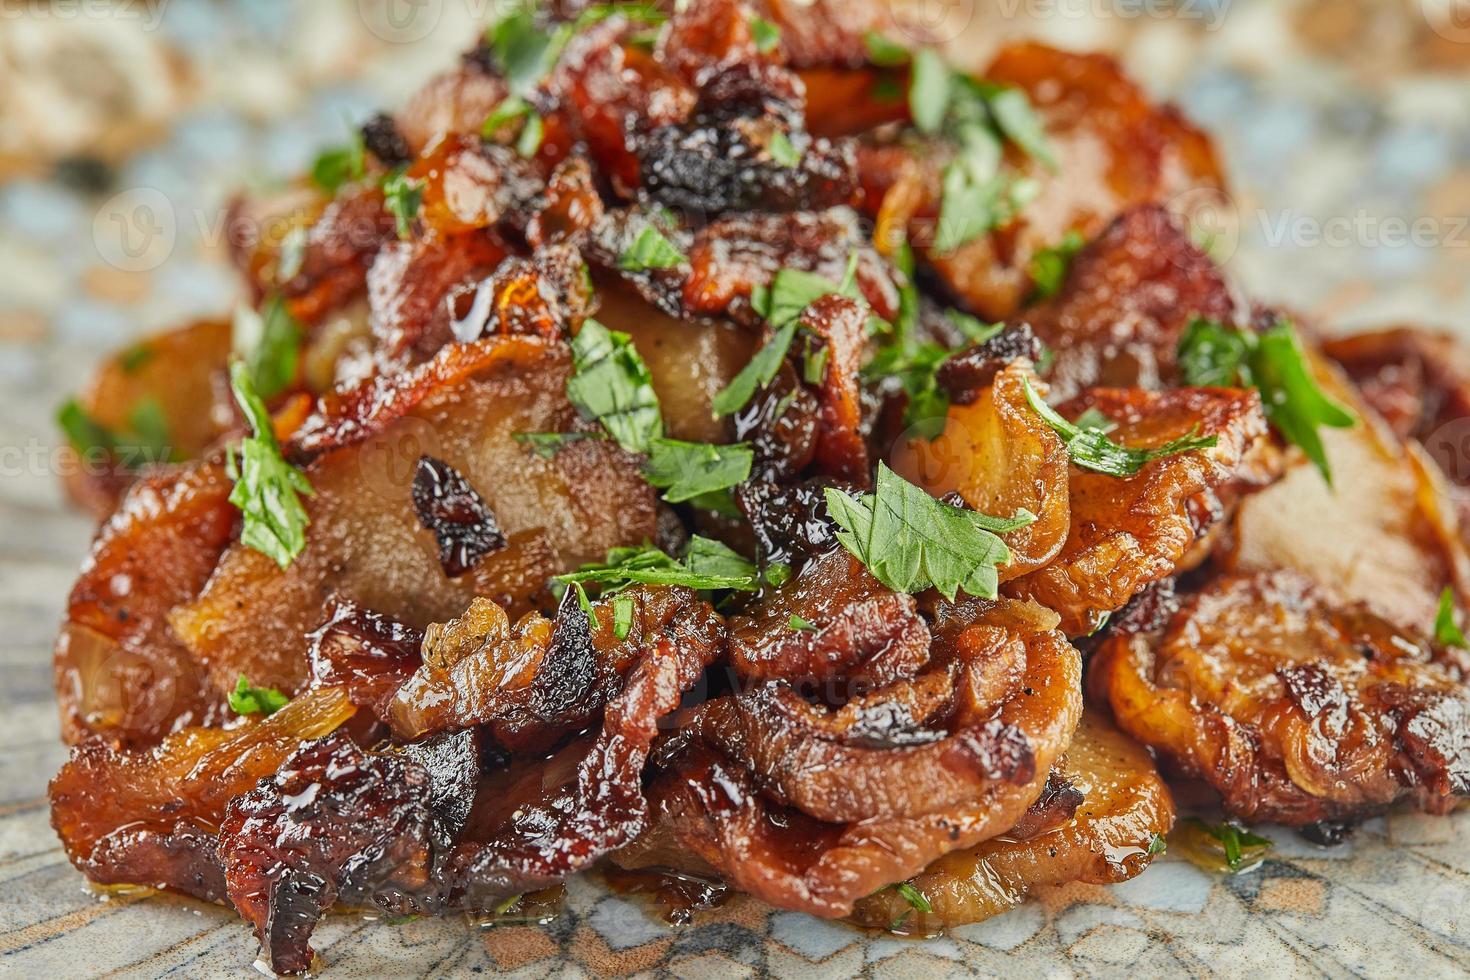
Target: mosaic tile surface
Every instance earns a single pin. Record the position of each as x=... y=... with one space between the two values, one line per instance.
x=1346 y=127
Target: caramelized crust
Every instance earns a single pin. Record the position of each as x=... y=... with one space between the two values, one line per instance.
x=1128 y=532
x=1118 y=808
x=1296 y=706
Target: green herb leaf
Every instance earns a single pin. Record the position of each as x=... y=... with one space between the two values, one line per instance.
x=133 y=359
x=970 y=208
x=688 y=470
x=767 y=36
x=402 y=196
x=1049 y=266
x=547 y=444
x=340 y=165
x=976 y=331
x=798 y=624
x=292 y=254
x=1446 y=632
x=83 y=432
x=610 y=384
x=1158 y=844
x=267 y=488
x=709 y=565
x=529 y=143
x=650 y=250
x=248 y=700
x=883 y=52
x=1242 y=849
x=1275 y=364
x=1212 y=355
x=622 y=616
x=757 y=373
x=930 y=91
x=510 y=109
x=648 y=13
x=1013 y=114
x=782 y=150
x=913 y=896
x=150 y=425
x=525 y=52
x=777 y=574
x=271 y=345
x=1092 y=449
x=911 y=542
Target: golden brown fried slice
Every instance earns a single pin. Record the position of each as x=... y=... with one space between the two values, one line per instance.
x=1385 y=532
x=1125 y=807
x=171 y=382
x=1001 y=457
x=366 y=541
x=1296 y=706
x=1127 y=299
x=1128 y=532
x=143 y=816
x=1114 y=149
x=986 y=754
x=1418 y=380
x=119 y=668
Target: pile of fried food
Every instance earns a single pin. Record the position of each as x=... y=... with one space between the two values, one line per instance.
x=712 y=440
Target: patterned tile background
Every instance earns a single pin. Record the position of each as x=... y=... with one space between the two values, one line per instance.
x=125 y=123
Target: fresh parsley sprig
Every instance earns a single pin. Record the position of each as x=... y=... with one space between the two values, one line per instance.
x=689 y=470
x=268 y=489
x=1447 y=632
x=780 y=304
x=1090 y=446
x=270 y=343
x=340 y=165
x=1213 y=354
x=402 y=196
x=1241 y=849
x=247 y=699
x=1050 y=265
x=651 y=249
x=514 y=109
x=976 y=116
x=611 y=385
x=911 y=542
x=707 y=565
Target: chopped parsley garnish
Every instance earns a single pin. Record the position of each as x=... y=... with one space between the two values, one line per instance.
x=707 y=565
x=647 y=13
x=1212 y=354
x=911 y=542
x=1090 y=447
x=781 y=304
x=1049 y=266
x=1158 y=844
x=766 y=35
x=650 y=250
x=402 y=196
x=917 y=903
x=690 y=470
x=547 y=444
x=883 y=52
x=610 y=384
x=145 y=441
x=340 y=165
x=267 y=488
x=781 y=149
x=248 y=700
x=1241 y=849
x=270 y=343
x=622 y=616
x=1446 y=632
x=513 y=109
x=525 y=52
x=133 y=359
x=798 y=624
x=977 y=195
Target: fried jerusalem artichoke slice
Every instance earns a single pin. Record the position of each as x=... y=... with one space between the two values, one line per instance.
x=148 y=816
x=367 y=541
x=1128 y=532
x=1001 y=458
x=1297 y=706
x=906 y=773
x=1101 y=825
x=119 y=668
